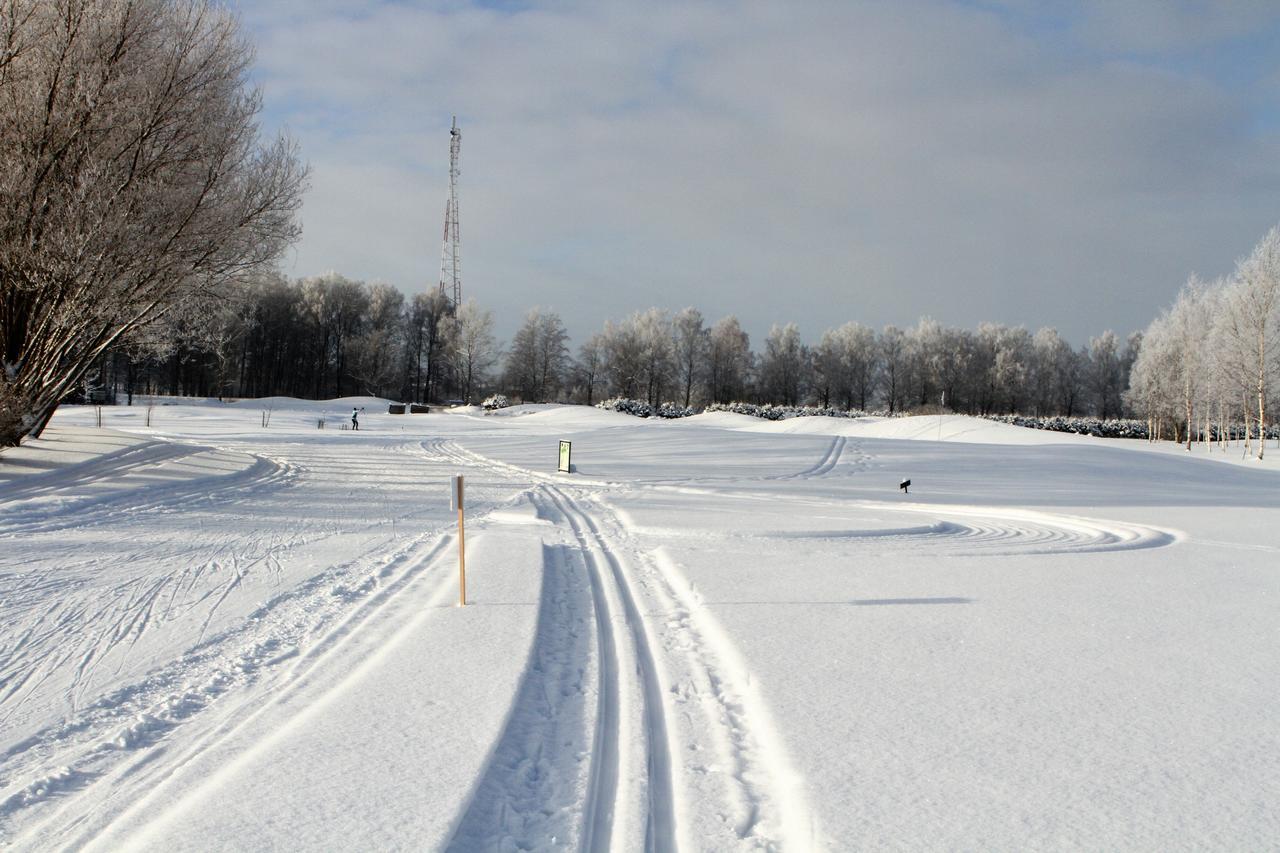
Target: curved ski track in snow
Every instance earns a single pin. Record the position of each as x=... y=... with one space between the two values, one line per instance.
x=27 y=507
x=993 y=531
x=835 y=456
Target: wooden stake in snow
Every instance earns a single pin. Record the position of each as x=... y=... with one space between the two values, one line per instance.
x=462 y=541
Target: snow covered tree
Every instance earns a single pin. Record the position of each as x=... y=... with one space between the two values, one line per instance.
x=132 y=182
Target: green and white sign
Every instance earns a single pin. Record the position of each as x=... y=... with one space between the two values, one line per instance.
x=566 y=448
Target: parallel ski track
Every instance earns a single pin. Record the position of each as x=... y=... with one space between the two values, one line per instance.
x=609 y=582
x=830 y=459
x=163 y=702
x=746 y=782
x=760 y=801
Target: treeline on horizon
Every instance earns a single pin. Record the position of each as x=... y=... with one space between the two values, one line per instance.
x=140 y=222
x=330 y=336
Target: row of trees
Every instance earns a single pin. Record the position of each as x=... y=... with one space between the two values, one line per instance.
x=1211 y=362
x=329 y=336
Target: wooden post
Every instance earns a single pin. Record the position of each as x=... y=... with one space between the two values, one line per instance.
x=462 y=542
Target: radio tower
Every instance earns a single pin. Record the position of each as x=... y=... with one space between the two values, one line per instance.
x=450 y=254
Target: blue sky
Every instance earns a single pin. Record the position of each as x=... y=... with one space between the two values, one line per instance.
x=818 y=162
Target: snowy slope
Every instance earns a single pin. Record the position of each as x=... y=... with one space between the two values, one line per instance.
x=717 y=633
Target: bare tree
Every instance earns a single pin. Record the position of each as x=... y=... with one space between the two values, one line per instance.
x=132 y=181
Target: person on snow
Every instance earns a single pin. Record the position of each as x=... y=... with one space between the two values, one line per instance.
x=355 y=418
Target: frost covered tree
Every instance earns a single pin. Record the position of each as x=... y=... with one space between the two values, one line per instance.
x=1106 y=374
x=376 y=350
x=892 y=351
x=691 y=342
x=623 y=359
x=784 y=366
x=538 y=359
x=132 y=182
x=653 y=331
x=588 y=366
x=475 y=348
x=729 y=361
x=1252 y=314
x=426 y=344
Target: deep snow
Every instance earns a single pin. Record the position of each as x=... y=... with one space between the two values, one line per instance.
x=717 y=633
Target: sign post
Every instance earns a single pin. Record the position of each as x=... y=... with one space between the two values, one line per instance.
x=566 y=448
x=462 y=541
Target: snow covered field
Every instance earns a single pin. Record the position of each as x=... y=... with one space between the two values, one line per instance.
x=718 y=633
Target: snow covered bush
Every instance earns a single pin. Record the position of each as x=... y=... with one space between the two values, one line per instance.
x=626 y=406
x=497 y=401
x=675 y=410
x=1103 y=428
x=771 y=412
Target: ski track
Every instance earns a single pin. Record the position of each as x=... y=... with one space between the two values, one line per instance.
x=732 y=751
x=824 y=466
x=363 y=626
x=117 y=730
x=67 y=628
x=991 y=531
x=527 y=793
x=80 y=512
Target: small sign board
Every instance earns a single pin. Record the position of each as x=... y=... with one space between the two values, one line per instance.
x=566 y=448
x=455 y=493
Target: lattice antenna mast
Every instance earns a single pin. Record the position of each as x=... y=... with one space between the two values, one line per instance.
x=450 y=254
